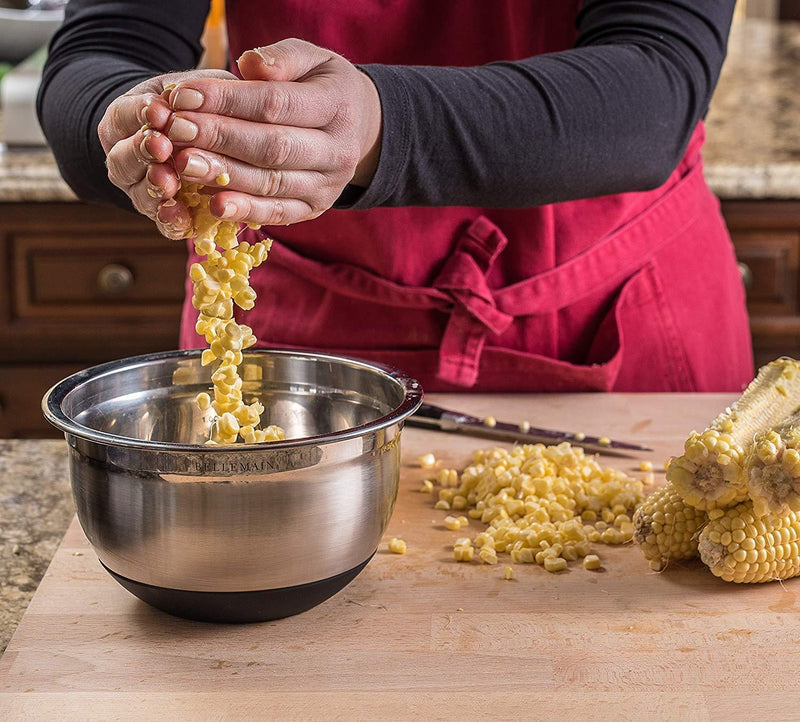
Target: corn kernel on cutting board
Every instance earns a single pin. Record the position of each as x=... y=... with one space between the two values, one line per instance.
x=422 y=636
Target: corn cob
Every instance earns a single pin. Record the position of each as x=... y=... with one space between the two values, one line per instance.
x=710 y=473
x=665 y=527
x=738 y=546
x=772 y=468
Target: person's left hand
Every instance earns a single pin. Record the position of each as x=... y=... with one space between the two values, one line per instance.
x=302 y=124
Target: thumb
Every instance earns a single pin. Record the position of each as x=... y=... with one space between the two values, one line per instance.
x=287 y=60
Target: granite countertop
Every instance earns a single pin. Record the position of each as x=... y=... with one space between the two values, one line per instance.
x=36 y=509
x=753 y=148
x=31 y=174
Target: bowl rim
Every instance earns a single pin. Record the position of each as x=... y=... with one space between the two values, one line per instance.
x=54 y=397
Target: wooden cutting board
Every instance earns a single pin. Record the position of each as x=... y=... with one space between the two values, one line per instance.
x=423 y=636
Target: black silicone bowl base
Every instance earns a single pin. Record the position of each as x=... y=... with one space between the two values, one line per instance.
x=240 y=607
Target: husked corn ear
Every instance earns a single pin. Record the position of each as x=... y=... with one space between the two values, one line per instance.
x=710 y=473
x=665 y=527
x=772 y=468
x=738 y=546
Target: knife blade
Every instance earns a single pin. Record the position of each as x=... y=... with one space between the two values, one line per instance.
x=430 y=416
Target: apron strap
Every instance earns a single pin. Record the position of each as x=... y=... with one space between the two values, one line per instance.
x=613 y=259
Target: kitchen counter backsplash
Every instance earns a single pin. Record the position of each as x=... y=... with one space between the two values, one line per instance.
x=753 y=147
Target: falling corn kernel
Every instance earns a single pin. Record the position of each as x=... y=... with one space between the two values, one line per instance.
x=591 y=562
x=222 y=179
x=221 y=281
x=604 y=441
x=203 y=401
x=508 y=573
x=645 y=466
x=490 y=421
x=525 y=427
x=580 y=436
x=397 y=546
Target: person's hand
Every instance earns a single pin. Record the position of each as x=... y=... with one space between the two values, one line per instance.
x=302 y=124
x=138 y=158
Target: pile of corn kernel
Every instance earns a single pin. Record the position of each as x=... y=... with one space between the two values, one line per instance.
x=219 y=282
x=542 y=504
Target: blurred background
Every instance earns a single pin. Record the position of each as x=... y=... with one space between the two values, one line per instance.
x=80 y=285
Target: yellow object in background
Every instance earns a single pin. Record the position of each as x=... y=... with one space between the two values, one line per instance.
x=215 y=38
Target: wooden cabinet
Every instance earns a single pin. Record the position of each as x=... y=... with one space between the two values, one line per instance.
x=766 y=235
x=79 y=285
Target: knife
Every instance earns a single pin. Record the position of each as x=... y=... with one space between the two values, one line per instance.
x=435 y=417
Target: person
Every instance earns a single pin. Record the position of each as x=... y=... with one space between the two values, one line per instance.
x=502 y=196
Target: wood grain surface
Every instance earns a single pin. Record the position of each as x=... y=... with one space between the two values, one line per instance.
x=422 y=636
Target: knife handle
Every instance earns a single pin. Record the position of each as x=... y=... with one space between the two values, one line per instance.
x=429 y=411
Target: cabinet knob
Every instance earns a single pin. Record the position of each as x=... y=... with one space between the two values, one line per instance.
x=114 y=279
x=747 y=274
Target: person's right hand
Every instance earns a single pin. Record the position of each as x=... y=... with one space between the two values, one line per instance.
x=138 y=158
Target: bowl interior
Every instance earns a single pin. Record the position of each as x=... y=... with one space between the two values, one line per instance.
x=154 y=399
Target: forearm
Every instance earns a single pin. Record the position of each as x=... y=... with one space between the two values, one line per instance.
x=612 y=115
x=102 y=50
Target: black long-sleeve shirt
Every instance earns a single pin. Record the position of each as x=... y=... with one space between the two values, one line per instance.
x=613 y=114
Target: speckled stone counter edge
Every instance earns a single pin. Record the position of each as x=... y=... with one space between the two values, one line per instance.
x=35 y=511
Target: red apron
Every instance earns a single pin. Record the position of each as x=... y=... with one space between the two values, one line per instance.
x=636 y=291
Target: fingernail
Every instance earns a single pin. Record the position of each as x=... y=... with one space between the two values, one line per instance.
x=196 y=167
x=187 y=99
x=228 y=210
x=169 y=203
x=182 y=130
x=265 y=56
x=143 y=113
x=260 y=54
x=146 y=154
x=153 y=189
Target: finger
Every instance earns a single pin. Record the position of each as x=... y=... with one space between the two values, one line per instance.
x=174 y=220
x=303 y=105
x=162 y=181
x=231 y=206
x=209 y=169
x=128 y=159
x=270 y=146
x=128 y=113
x=289 y=59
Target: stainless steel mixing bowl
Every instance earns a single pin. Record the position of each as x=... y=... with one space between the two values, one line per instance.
x=237 y=533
